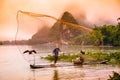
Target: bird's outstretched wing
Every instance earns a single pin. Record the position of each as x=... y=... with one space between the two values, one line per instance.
x=30 y=51
x=26 y=51
x=118 y=19
x=33 y=51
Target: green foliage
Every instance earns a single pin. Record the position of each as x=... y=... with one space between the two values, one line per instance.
x=116 y=57
x=63 y=57
x=113 y=58
x=49 y=57
x=106 y=34
x=99 y=56
x=96 y=37
x=111 y=34
x=115 y=76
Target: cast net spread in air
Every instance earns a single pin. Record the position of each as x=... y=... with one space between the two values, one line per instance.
x=35 y=27
x=61 y=32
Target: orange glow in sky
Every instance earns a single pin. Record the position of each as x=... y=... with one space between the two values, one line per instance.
x=90 y=12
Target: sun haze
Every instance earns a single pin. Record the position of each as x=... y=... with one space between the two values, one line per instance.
x=90 y=12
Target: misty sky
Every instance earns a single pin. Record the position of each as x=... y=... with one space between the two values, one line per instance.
x=87 y=12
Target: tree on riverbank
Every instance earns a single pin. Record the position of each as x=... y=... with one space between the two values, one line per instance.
x=102 y=35
x=111 y=34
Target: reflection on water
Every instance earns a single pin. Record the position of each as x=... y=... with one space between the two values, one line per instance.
x=13 y=66
x=33 y=76
x=55 y=77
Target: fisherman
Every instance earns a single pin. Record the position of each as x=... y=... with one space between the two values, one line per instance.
x=56 y=53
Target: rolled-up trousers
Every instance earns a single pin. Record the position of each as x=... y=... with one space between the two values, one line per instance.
x=55 y=59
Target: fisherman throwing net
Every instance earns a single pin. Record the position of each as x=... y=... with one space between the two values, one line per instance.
x=56 y=53
x=57 y=33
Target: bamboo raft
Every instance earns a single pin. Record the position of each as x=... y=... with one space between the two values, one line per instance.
x=65 y=65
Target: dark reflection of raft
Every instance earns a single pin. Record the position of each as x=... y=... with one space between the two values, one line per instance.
x=65 y=65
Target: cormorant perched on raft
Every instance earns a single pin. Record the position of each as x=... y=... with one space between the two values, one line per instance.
x=30 y=51
x=82 y=52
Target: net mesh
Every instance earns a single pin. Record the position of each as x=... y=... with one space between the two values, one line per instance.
x=29 y=23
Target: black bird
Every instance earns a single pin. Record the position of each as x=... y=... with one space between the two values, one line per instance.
x=82 y=52
x=118 y=19
x=29 y=51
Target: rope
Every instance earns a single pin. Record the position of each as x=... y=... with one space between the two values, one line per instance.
x=34 y=15
x=16 y=37
x=59 y=20
x=72 y=25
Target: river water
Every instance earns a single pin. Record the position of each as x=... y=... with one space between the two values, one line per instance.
x=15 y=66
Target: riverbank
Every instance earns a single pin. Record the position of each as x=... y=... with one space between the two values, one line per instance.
x=89 y=57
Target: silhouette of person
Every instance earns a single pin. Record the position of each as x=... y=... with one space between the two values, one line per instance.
x=56 y=53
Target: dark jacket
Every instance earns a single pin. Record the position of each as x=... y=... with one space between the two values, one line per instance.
x=56 y=51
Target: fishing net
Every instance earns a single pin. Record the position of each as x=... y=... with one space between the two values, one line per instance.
x=37 y=30
x=61 y=32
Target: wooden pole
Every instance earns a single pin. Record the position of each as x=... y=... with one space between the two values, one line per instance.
x=34 y=59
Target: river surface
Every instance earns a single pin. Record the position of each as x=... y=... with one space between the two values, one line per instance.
x=14 y=65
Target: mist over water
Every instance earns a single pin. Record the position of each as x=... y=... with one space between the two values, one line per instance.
x=15 y=66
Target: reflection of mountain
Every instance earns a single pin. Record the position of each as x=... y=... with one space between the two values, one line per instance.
x=57 y=31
